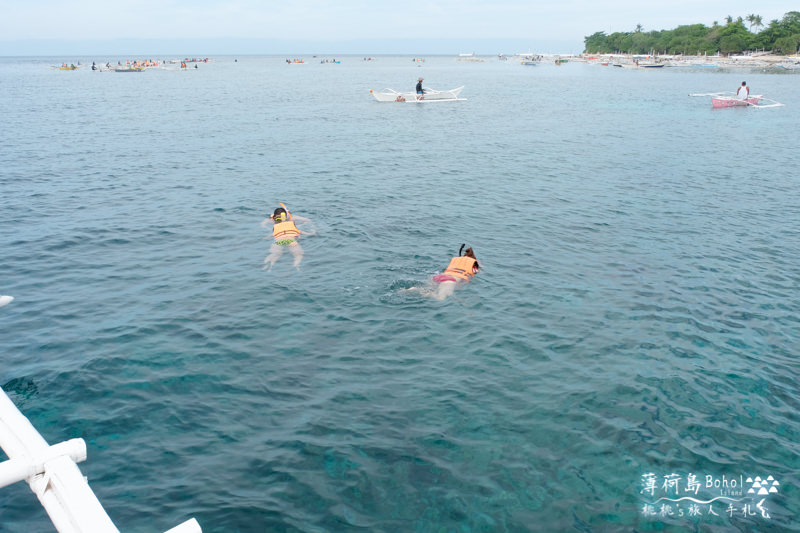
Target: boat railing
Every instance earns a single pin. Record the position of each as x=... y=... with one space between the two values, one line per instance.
x=54 y=476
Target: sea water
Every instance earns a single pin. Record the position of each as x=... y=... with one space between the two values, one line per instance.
x=635 y=319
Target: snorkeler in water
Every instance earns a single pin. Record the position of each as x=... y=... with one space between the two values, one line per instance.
x=285 y=232
x=460 y=270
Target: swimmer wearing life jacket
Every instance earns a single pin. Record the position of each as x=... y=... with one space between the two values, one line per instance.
x=461 y=269
x=285 y=232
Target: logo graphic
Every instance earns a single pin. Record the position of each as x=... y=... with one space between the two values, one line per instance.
x=702 y=496
x=763 y=487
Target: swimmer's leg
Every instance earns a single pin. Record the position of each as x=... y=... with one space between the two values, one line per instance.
x=420 y=290
x=275 y=252
x=297 y=253
x=427 y=291
x=445 y=289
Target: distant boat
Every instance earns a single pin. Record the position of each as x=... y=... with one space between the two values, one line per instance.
x=470 y=57
x=529 y=60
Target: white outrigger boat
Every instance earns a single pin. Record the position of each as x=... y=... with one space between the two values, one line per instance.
x=430 y=95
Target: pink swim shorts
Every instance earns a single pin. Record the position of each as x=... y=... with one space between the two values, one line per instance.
x=438 y=278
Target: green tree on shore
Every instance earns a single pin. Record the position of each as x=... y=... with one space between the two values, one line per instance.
x=734 y=38
x=780 y=36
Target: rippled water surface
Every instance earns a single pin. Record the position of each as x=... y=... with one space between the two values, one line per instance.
x=636 y=313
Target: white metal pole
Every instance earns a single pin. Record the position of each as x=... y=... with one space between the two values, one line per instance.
x=54 y=477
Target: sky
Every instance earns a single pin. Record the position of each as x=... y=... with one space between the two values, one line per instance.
x=349 y=25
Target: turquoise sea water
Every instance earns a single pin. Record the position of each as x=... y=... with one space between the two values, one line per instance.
x=636 y=313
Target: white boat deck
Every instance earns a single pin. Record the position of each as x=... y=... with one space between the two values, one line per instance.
x=53 y=475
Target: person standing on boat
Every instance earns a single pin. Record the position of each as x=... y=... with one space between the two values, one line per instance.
x=420 y=90
x=285 y=233
x=743 y=92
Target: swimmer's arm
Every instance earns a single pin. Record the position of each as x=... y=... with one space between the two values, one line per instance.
x=268 y=219
x=304 y=220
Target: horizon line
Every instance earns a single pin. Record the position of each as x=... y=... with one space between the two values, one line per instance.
x=270 y=46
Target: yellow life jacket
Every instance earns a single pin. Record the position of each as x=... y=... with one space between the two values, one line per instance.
x=285 y=230
x=461 y=267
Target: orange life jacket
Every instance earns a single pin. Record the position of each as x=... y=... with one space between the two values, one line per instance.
x=461 y=267
x=285 y=230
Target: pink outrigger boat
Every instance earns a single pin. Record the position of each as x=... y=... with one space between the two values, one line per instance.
x=732 y=101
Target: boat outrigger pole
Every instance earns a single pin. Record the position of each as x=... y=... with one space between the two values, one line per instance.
x=54 y=476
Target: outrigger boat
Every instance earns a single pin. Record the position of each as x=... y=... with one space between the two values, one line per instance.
x=430 y=95
x=731 y=101
x=728 y=99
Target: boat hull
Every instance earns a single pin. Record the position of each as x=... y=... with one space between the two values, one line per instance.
x=389 y=95
x=730 y=101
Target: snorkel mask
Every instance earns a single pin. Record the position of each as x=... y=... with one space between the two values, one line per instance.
x=280 y=215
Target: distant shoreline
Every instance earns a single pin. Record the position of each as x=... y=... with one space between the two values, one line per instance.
x=765 y=62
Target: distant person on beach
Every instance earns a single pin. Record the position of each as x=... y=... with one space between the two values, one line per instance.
x=420 y=90
x=460 y=270
x=743 y=92
x=285 y=232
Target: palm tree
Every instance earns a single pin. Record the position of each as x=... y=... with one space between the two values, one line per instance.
x=750 y=18
x=639 y=28
x=758 y=22
x=728 y=19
